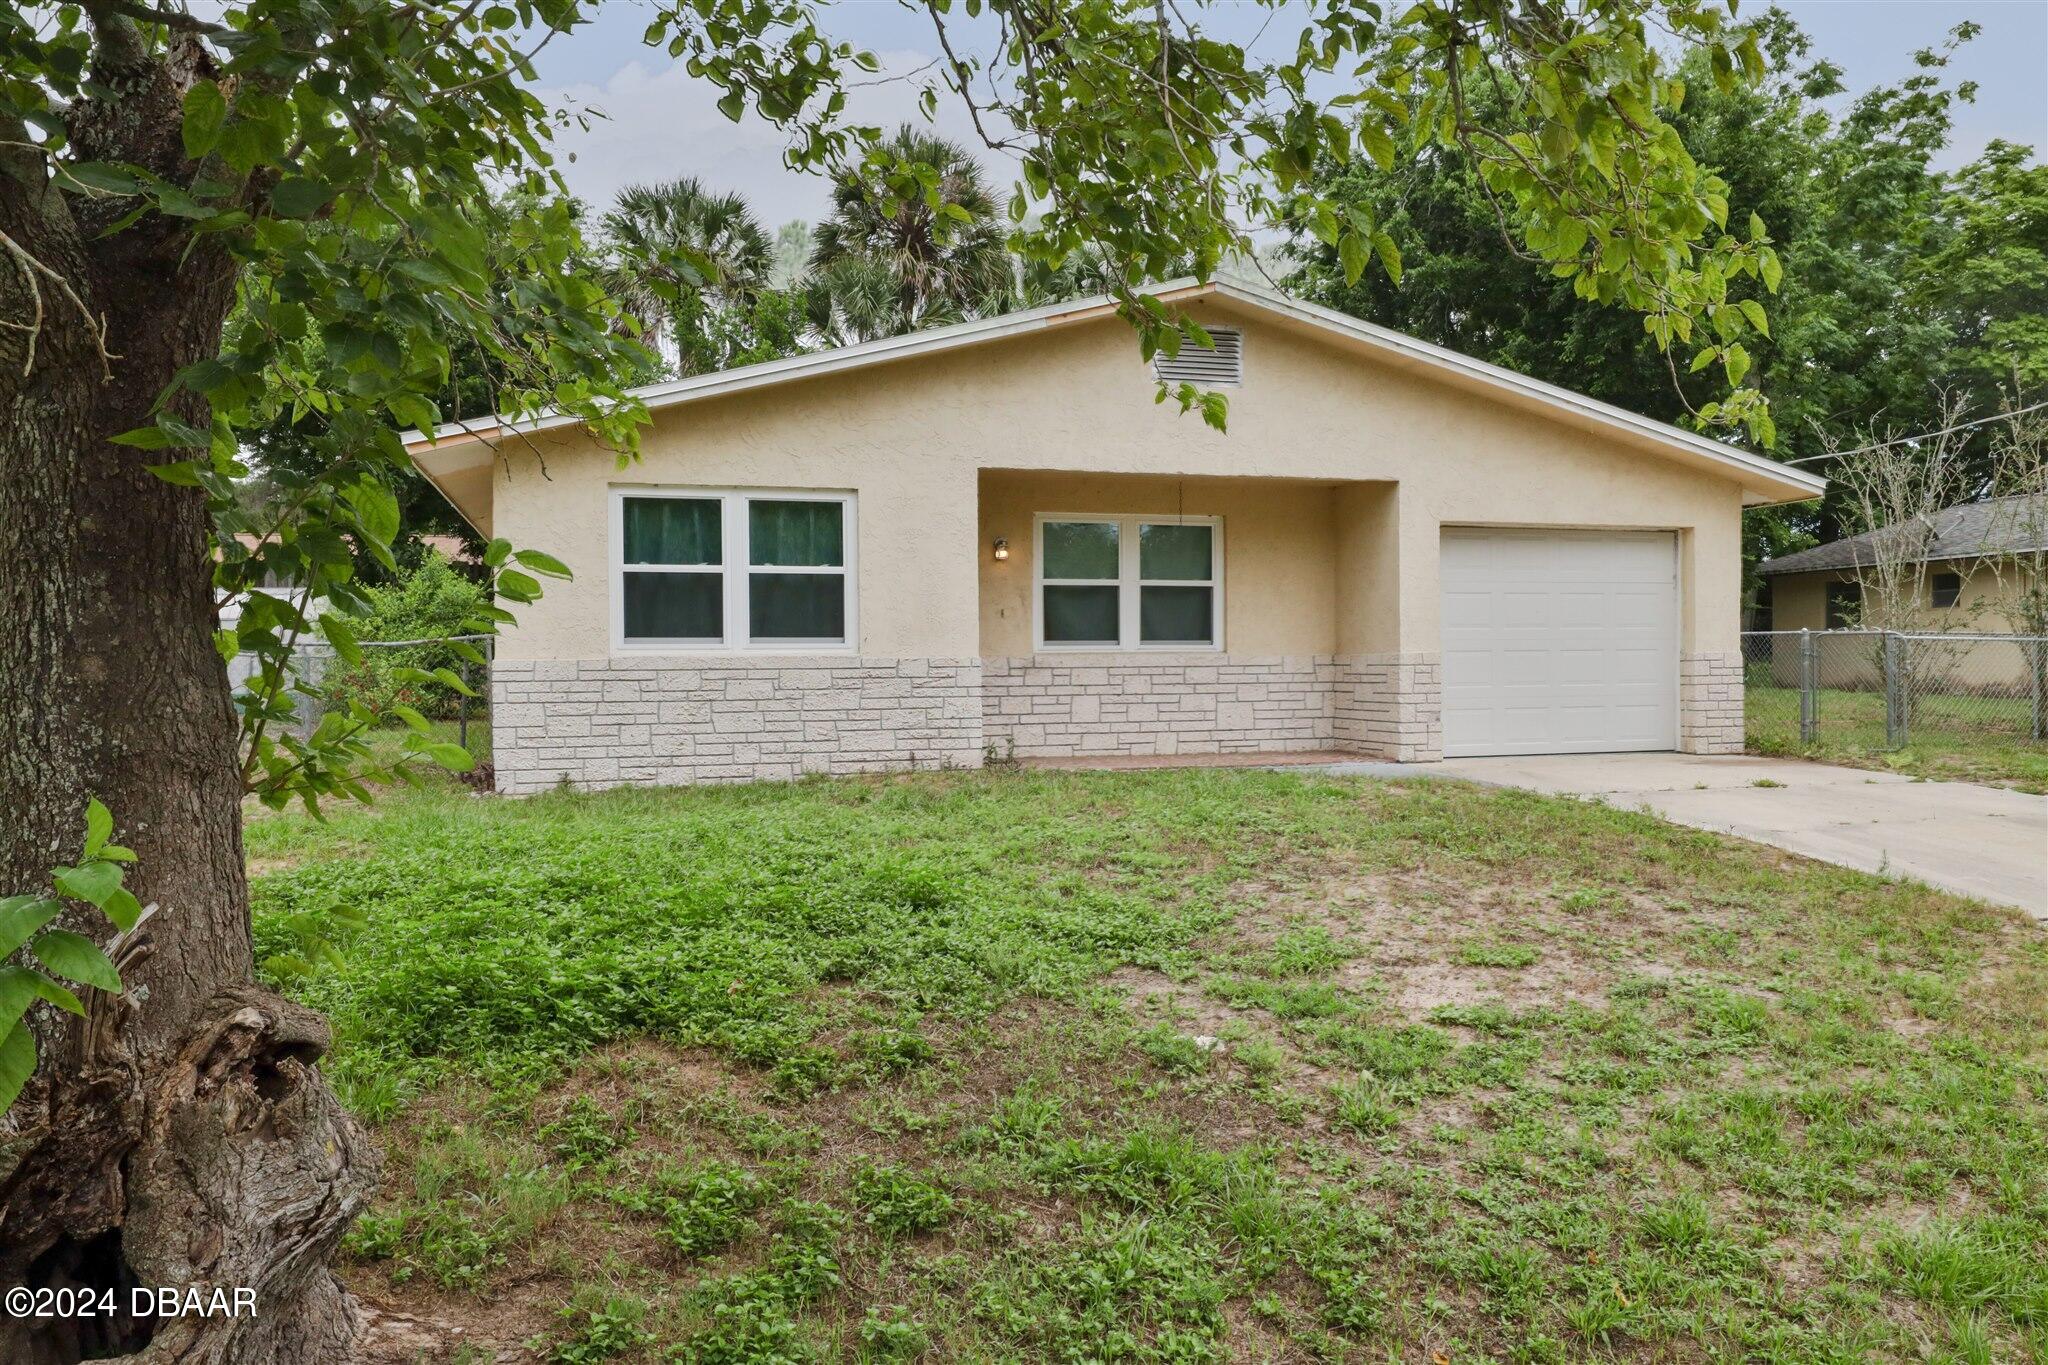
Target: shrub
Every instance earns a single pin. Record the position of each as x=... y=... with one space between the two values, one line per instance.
x=433 y=602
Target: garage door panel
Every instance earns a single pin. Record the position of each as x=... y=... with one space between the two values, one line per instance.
x=1559 y=641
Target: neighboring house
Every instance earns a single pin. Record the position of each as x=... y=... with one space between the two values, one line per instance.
x=988 y=539
x=1819 y=589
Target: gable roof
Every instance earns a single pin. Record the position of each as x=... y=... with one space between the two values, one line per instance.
x=452 y=451
x=1970 y=530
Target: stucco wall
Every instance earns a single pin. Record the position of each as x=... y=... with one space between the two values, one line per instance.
x=1279 y=551
x=1799 y=602
x=910 y=441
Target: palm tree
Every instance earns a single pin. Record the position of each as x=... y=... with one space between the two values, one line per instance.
x=941 y=263
x=678 y=249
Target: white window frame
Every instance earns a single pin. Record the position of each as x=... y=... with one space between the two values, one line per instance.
x=1127 y=583
x=737 y=573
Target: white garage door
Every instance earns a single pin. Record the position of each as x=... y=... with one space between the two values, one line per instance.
x=1559 y=642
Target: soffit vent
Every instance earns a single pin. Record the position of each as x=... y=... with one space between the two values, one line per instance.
x=1204 y=368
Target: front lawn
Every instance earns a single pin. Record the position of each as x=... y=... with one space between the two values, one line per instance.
x=1177 y=1066
x=1959 y=739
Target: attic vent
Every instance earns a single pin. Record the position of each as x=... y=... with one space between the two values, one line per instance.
x=1204 y=368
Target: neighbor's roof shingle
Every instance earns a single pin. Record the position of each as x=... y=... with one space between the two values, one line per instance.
x=1969 y=531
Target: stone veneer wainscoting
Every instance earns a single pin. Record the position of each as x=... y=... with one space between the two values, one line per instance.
x=603 y=723
x=1391 y=706
x=661 y=720
x=1064 y=705
x=1710 y=703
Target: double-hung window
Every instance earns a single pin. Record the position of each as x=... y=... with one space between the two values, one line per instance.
x=1129 y=582
x=732 y=570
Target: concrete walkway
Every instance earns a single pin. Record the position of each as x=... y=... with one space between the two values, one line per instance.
x=1986 y=842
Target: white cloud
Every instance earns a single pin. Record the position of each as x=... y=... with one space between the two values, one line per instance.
x=661 y=123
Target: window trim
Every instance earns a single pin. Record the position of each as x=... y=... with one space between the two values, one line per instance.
x=1128 y=585
x=1934 y=601
x=735 y=569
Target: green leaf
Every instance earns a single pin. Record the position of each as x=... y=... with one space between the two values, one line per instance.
x=102 y=176
x=184 y=473
x=123 y=909
x=732 y=105
x=93 y=882
x=77 y=958
x=1351 y=253
x=21 y=987
x=1736 y=362
x=377 y=509
x=99 y=826
x=453 y=757
x=543 y=563
x=20 y=917
x=205 y=110
x=1754 y=311
x=338 y=634
x=295 y=196
x=17 y=1063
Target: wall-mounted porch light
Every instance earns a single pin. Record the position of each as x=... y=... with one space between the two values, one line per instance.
x=1002 y=547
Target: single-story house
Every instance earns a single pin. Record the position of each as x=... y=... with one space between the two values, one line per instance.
x=1965 y=587
x=1822 y=588
x=989 y=540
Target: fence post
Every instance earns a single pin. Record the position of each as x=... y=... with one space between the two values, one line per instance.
x=1809 y=691
x=2037 y=665
x=1895 y=687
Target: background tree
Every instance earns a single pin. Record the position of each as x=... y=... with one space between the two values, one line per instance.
x=276 y=209
x=692 y=267
x=891 y=262
x=1867 y=329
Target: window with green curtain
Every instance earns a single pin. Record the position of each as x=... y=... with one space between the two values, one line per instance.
x=1173 y=552
x=1176 y=616
x=675 y=606
x=785 y=582
x=1080 y=549
x=1080 y=615
x=789 y=534
x=797 y=606
x=674 y=531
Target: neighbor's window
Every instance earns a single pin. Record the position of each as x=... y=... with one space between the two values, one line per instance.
x=1845 y=605
x=1947 y=589
x=1129 y=582
x=711 y=570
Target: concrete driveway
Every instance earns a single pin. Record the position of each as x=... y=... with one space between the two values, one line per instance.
x=1985 y=842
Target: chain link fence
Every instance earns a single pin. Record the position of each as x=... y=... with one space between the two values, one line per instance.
x=1885 y=690
x=329 y=681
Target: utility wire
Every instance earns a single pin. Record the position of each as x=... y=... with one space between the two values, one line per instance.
x=1923 y=436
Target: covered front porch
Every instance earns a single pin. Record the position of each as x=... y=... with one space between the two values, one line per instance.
x=1144 y=615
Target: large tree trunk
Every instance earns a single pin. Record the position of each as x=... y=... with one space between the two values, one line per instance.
x=181 y=1135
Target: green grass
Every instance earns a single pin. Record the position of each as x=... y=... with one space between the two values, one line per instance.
x=903 y=1069
x=1958 y=739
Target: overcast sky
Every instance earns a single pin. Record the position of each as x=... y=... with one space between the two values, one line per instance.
x=657 y=123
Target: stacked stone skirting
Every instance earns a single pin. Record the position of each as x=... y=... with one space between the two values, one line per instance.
x=1391 y=706
x=1710 y=703
x=601 y=723
x=1063 y=705
x=604 y=723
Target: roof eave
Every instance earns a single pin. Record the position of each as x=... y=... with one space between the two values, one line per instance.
x=1764 y=482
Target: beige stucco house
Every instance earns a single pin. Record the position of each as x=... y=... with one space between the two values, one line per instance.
x=1961 y=586
x=1964 y=586
x=990 y=540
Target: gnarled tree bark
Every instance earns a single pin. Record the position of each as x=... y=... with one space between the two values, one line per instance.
x=181 y=1135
